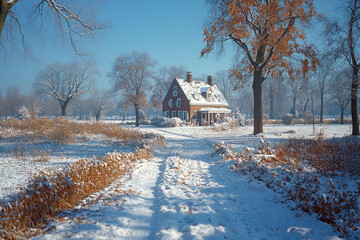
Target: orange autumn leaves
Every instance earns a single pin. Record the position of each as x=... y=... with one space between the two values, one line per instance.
x=268 y=32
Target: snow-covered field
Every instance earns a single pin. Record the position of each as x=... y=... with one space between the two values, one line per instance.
x=185 y=193
x=18 y=166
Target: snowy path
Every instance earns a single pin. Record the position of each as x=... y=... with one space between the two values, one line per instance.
x=183 y=194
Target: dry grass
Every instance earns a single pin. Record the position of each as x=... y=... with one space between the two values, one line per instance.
x=62 y=131
x=47 y=194
x=308 y=120
x=309 y=172
x=324 y=155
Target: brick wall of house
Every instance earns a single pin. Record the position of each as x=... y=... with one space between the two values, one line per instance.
x=180 y=94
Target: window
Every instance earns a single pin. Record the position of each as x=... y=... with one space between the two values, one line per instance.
x=173 y=114
x=178 y=102
x=170 y=103
x=174 y=93
x=180 y=115
x=175 y=88
x=166 y=114
x=185 y=116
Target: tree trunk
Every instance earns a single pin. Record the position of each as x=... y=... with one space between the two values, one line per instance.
x=97 y=116
x=63 y=108
x=305 y=107
x=321 y=108
x=136 y=115
x=354 y=102
x=257 y=91
x=3 y=14
x=271 y=102
x=342 y=115
x=4 y=10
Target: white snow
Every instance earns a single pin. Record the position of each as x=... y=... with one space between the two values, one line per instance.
x=184 y=193
x=16 y=172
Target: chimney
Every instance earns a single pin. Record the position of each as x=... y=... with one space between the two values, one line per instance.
x=210 y=80
x=189 y=77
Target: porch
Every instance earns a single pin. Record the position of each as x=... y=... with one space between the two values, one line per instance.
x=208 y=116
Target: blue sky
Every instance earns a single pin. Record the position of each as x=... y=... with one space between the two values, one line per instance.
x=169 y=30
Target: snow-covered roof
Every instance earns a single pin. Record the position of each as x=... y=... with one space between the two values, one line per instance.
x=193 y=93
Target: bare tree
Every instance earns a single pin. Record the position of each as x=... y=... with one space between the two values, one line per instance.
x=65 y=82
x=306 y=95
x=224 y=82
x=81 y=107
x=13 y=101
x=345 y=34
x=131 y=76
x=294 y=92
x=75 y=19
x=340 y=90
x=274 y=88
x=100 y=103
x=323 y=72
x=33 y=104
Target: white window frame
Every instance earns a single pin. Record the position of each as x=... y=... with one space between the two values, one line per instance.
x=185 y=115
x=180 y=115
x=170 y=103
x=177 y=102
x=175 y=88
x=175 y=93
x=166 y=114
x=173 y=114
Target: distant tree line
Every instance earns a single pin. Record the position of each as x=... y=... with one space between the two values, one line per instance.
x=273 y=61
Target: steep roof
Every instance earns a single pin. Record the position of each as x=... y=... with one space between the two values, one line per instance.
x=193 y=93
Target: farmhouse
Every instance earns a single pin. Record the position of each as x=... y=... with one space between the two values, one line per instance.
x=195 y=101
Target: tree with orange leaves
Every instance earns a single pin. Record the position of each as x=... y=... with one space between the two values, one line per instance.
x=268 y=32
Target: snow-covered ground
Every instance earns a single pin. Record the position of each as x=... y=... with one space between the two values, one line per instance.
x=15 y=172
x=185 y=193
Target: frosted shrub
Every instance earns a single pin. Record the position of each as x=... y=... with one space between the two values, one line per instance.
x=24 y=113
x=287 y=119
x=169 y=122
x=241 y=118
x=143 y=119
x=226 y=124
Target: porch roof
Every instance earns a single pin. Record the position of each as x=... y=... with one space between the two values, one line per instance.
x=215 y=110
